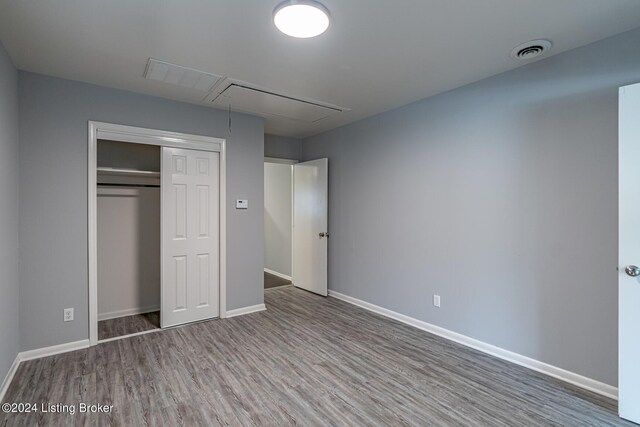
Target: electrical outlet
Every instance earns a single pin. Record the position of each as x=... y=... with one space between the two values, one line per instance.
x=68 y=314
x=436 y=300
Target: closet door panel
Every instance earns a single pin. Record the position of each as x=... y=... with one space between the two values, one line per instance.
x=191 y=235
x=203 y=270
x=202 y=210
x=180 y=218
x=179 y=296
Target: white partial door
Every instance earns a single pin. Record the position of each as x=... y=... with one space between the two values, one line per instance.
x=190 y=236
x=310 y=225
x=629 y=254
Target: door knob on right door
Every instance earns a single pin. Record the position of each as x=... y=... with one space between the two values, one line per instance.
x=632 y=270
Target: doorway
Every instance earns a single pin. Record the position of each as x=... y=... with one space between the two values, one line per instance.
x=296 y=224
x=278 y=226
x=183 y=177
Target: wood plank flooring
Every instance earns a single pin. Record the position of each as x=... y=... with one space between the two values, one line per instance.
x=127 y=325
x=272 y=281
x=307 y=360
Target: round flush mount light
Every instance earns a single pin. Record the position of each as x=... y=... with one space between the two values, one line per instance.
x=301 y=18
x=531 y=49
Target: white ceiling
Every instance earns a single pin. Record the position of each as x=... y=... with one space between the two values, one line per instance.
x=377 y=54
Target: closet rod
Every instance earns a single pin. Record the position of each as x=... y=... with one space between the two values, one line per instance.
x=129 y=185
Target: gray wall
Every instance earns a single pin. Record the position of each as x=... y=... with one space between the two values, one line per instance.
x=9 y=338
x=502 y=198
x=282 y=147
x=53 y=195
x=277 y=217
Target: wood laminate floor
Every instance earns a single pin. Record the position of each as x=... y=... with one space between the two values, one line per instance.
x=122 y=326
x=307 y=360
x=272 y=281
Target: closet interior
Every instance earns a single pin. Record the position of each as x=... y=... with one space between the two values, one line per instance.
x=128 y=238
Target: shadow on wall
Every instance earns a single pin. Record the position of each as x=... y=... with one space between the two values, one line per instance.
x=277 y=245
x=149 y=241
x=277 y=217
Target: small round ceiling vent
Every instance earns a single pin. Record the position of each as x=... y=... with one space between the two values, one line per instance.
x=530 y=50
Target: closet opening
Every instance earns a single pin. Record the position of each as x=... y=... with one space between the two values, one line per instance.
x=128 y=238
x=157 y=229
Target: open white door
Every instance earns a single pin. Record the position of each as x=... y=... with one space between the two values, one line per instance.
x=310 y=222
x=629 y=254
x=190 y=236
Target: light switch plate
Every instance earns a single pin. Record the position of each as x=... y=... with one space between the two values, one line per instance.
x=242 y=204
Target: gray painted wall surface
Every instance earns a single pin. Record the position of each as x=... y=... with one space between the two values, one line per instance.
x=282 y=147
x=9 y=336
x=277 y=217
x=502 y=198
x=53 y=195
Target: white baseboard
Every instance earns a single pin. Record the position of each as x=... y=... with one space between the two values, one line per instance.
x=246 y=310
x=536 y=365
x=36 y=354
x=128 y=312
x=9 y=377
x=275 y=273
x=55 y=349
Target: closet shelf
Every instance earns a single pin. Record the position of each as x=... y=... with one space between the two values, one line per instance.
x=127 y=172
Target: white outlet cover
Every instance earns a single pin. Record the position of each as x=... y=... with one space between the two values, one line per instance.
x=68 y=314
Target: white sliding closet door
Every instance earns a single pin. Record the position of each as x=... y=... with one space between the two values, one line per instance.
x=190 y=236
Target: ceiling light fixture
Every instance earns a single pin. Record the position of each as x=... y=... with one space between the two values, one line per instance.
x=301 y=18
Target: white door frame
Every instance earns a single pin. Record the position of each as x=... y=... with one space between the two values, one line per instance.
x=136 y=135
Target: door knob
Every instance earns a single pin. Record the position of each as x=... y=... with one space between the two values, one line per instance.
x=632 y=270
x=321 y=235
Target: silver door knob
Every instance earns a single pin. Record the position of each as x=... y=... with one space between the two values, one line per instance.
x=632 y=270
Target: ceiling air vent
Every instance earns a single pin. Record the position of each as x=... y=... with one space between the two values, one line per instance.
x=178 y=75
x=530 y=50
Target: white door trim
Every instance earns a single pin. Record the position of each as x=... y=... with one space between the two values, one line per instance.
x=281 y=161
x=136 y=135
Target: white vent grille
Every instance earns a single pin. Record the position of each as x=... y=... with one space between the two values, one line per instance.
x=178 y=75
x=530 y=50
